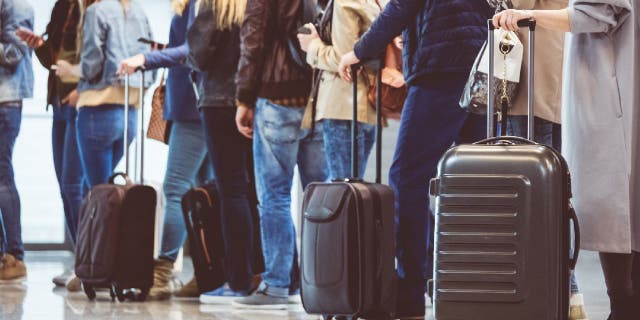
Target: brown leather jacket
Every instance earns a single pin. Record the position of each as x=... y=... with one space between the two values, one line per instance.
x=266 y=69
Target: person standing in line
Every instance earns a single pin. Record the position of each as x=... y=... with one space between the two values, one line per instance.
x=272 y=90
x=346 y=22
x=110 y=33
x=601 y=102
x=61 y=46
x=16 y=84
x=441 y=41
x=214 y=43
x=188 y=162
x=548 y=104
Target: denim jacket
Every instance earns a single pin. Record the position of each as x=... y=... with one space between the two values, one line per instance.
x=110 y=36
x=16 y=72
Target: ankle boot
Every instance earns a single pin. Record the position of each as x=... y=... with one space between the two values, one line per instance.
x=162 y=271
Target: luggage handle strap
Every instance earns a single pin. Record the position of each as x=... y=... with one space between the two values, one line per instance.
x=576 y=237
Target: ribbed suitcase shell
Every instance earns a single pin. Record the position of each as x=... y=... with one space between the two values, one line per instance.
x=502 y=236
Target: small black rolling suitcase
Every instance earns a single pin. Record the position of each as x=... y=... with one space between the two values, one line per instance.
x=502 y=238
x=116 y=231
x=202 y=216
x=348 y=243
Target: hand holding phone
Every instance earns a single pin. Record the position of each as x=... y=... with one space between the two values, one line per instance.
x=306 y=34
x=304 y=30
x=33 y=40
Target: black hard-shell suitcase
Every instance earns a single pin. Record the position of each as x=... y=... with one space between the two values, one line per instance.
x=348 y=243
x=201 y=211
x=502 y=238
x=116 y=231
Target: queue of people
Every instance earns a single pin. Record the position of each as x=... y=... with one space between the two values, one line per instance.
x=258 y=113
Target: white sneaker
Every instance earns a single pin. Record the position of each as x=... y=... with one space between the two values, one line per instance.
x=62 y=279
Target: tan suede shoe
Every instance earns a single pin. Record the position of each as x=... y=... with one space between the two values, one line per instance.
x=576 y=307
x=189 y=290
x=162 y=272
x=12 y=270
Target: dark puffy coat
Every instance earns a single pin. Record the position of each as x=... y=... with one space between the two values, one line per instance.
x=440 y=36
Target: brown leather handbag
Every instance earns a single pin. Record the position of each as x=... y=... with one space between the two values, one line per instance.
x=394 y=92
x=159 y=129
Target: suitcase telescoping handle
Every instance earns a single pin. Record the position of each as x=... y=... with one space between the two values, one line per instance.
x=377 y=65
x=531 y=24
x=127 y=83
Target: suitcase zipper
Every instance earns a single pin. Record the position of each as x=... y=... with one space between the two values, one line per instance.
x=92 y=216
x=202 y=233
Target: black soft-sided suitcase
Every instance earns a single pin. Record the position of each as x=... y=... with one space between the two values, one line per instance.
x=201 y=210
x=3 y=236
x=348 y=243
x=116 y=231
x=502 y=237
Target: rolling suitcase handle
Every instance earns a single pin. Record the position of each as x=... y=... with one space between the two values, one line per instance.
x=377 y=64
x=576 y=234
x=127 y=83
x=531 y=24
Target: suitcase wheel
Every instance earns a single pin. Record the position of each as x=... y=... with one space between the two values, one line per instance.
x=142 y=296
x=89 y=291
x=119 y=293
x=112 y=293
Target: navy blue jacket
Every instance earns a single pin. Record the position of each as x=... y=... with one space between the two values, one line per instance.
x=180 y=100
x=440 y=36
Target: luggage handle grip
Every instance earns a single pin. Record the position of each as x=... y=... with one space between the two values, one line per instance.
x=524 y=23
x=112 y=179
x=576 y=234
x=516 y=140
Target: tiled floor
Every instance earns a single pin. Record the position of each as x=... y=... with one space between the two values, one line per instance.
x=37 y=298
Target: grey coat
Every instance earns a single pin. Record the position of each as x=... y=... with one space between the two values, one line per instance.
x=601 y=137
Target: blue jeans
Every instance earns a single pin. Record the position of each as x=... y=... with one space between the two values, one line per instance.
x=187 y=165
x=337 y=147
x=66 y=160
x=431 y=123
x=278 y=145
x=10 y=118
x=100 y=134
x=547 y=133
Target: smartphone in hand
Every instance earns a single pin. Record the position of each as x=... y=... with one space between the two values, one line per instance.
x=304 y=30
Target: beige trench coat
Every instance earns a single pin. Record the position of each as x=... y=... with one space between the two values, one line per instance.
x=548 y=68
x=601 y=130
x=351 y=19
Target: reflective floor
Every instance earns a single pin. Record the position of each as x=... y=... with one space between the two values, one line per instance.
x=38 y=299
